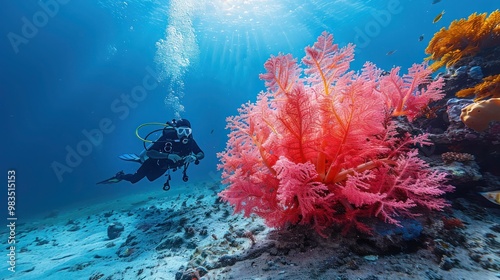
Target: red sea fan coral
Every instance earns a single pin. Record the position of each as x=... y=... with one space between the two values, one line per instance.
x=321 y=150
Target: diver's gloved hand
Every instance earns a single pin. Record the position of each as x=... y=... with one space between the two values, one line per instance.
x=189 y=159
x=174 y=157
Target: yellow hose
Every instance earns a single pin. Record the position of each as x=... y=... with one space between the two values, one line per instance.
x=147 y=124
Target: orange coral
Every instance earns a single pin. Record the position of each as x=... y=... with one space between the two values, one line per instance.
x=464 y=37
x=489 y=87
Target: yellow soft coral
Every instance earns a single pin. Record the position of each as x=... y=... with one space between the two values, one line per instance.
x=489 y=87
x=464 y=37
x=478 y=115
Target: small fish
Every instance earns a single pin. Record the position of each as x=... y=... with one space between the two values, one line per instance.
x=493 y=196
x=435 y=1
x=391 y=52
x=421 y=38
x=211 y=131
x=438 y=17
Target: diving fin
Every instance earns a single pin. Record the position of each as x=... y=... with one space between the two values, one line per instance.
x=130 y=157
x=114 y=179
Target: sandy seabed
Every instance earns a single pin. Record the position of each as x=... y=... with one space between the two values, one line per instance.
x=192 y=235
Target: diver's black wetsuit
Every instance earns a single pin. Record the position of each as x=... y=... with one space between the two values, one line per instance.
x=168 y=143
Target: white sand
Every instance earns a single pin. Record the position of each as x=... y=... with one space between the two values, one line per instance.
x=74 y=244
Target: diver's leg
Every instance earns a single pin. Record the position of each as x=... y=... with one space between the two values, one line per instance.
x=155 y=173
x=132 y=178
x=140 y=173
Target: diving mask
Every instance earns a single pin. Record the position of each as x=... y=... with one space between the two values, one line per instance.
x=183 y=131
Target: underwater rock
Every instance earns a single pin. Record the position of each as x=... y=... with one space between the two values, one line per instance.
x=114 y=230
x=389 y=239
x=492 y=240
x=448 y=263
x=151 y=212
x=490 y=264
x=189 y=231
x=29 y=269
x=129 y=246
x=491 y=183
x=191 y=273
x=226 y=260
x=484 y=146
x=443 y=248
x=495 y=228
x=483 y=248
x=454 y=109
x=488 y=60
x=256 y=229
x=457 y=133
x=475 y=73
x=218 y=254
x=80 y=266
x=469 y=71
x=450 y=157
x=462 y=70
x=108 y=214
x=204 y=231
x=294 y=238
x=40 y=242
x=96 y=276
x=171 y=243
x=461 y=173
x=470 y=209
x=409 y=229
x=131 y=240
x=433 y=275
x=124 y=252
x=254 y=252
x=455 y=80
x=74 y=228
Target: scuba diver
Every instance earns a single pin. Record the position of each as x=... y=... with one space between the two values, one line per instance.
x=174 y=149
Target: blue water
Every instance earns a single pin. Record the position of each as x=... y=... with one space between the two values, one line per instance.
x=69 y=74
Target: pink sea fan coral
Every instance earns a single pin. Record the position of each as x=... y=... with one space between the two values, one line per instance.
x=321 y=149
x=409 y=94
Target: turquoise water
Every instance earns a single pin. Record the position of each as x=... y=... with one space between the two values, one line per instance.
x=80 y=77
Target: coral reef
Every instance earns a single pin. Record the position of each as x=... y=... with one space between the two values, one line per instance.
x=454 y=156
x=465 y=75
x=463 y=38
x=323 y=150
x=489 y=87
